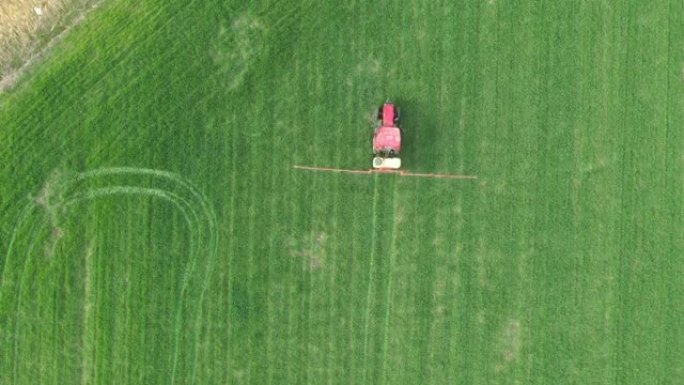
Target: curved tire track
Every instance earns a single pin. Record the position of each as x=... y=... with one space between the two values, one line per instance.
x=199 y=217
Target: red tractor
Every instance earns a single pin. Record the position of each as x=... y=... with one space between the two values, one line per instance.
x=387 y=138
x=386 y=149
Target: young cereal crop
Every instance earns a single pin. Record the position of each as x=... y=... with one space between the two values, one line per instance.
x=153 y=230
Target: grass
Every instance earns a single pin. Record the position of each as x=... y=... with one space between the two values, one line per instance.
x=152 y=229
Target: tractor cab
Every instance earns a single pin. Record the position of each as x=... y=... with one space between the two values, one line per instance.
x=387 y=138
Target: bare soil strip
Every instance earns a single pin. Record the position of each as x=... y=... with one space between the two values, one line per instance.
x=30 y=28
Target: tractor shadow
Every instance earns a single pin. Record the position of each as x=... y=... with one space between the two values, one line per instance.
x=419 y=132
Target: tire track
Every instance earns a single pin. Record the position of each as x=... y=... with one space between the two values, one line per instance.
x=388 y=298
x=370 y=281
x=231 y=247
x=209 y=215
x=198 y=215
x=35 y=234
x=352 y=284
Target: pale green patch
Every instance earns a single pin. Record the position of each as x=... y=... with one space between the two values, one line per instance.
x=509 y=344
x=311 y=250
x=237 y=46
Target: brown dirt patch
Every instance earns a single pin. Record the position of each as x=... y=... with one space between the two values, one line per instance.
x=28 y=28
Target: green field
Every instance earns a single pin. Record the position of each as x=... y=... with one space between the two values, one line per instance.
x=153 y=231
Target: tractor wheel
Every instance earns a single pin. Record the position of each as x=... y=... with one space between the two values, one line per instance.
x=380 y=113
x=397 y=115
